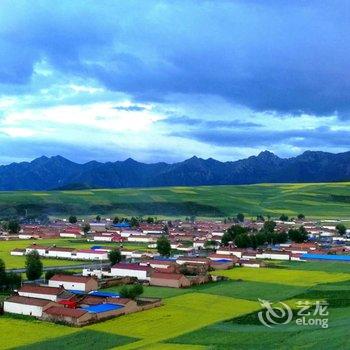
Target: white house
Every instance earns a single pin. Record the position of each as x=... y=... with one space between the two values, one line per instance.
x=219 y=234
x=40 y=292
x=17 y=304
x=63 y=253
x=249 y=263
x=230 y=251
x=127 y=233
x=103 y=238
x=199 y=244
x=70 y=234
x=25 y=236
x=89 y=254
x=131 y=270
x=273 y=255
x=141 y=239
x=18 y=252
x=40 y=249
x=70 y=282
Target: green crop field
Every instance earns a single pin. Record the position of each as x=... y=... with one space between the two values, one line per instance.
x=283 y=276
x=19 y=261
x=321 y=200
x=221 y=315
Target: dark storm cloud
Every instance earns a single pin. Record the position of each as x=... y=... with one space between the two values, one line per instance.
x=133 y=108
x=318 y=137
x=185 y=120
x=284 y=56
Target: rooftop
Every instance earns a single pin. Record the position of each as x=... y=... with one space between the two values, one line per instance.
x=63 y=311
x=28 y=301
x=71 y=278
x=35 y=289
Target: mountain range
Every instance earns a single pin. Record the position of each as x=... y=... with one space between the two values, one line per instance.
x=57 y=172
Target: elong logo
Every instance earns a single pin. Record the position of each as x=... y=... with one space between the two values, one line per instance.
x=308 y=313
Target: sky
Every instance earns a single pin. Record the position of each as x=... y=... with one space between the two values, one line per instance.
x=165 y=80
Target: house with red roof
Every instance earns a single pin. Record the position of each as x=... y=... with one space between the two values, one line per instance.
x=40 y=292
x=78 y=317
x=173 y=280
x=21 y=305
x=71 y=282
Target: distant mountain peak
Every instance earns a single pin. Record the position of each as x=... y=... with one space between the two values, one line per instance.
x=131 y=161
x=39 y=159
x=45 y=173
x=267 y=154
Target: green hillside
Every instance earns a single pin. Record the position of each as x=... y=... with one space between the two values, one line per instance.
x=321 y=200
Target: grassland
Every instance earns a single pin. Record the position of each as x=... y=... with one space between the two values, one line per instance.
x=214 y=316
x=321 y=200
x=246 y=332
x=19 y=261
x=283 y=276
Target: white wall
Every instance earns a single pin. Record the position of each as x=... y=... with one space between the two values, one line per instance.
x=272 y=256
x=68 y=285
x=17 y=253
x=59 y=254
x=141 y=275
x=229 y=252
x=39 y=296
x=103 y=238
x=22 y=309
x=91 y=256
x=69 y=235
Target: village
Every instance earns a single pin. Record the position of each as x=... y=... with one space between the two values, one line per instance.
x=171 y=253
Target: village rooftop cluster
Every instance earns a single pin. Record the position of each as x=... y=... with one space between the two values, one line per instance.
x=196 y=247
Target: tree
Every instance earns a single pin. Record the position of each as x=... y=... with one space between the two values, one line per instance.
x=210 y=244
x=86 y=227
x=72 y=219
x=134 y=222
x=163 y=246
x=13 y=280
x=298 y=235
x=281 y=237
x=269 y=226
x=150 y=220
x=284 y=217
x=341 y=228
x=166 y=229
x=232 y=233
x=131 y=292
x=259 y=217
x=260 y=238
x=240 y=217
x=114 y=256
x=235 y=230
x=226 y=238
x=301 y=216
x=98 y=218
x=3 y=276
x=115 y=220
x=243 y=241
x=13 y=227
x=34 y=266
